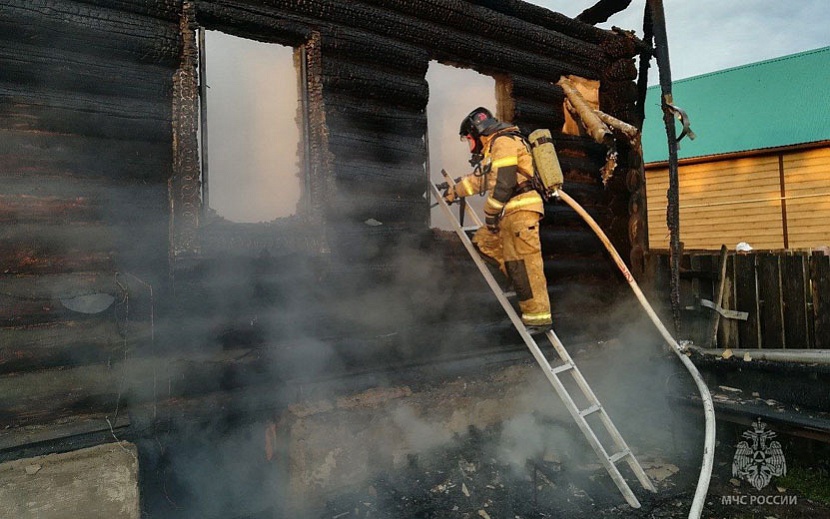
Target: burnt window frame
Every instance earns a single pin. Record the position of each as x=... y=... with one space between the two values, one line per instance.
x=194 y=235
x=504 y=110
x=300 y=57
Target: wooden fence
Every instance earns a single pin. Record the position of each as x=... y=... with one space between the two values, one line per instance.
x=784 y=298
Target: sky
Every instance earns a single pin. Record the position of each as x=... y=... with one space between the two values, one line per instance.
x=709 y=35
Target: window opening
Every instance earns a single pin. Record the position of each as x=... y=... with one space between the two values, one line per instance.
x=453 y=93
x=250 y=138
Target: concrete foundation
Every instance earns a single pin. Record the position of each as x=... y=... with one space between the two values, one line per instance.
x=100 y=482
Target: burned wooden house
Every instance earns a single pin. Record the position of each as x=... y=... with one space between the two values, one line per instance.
x=131 y=311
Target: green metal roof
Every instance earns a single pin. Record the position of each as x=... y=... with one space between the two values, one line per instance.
x=778 y=102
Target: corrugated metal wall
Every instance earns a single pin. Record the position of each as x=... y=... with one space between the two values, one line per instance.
x=724 y=202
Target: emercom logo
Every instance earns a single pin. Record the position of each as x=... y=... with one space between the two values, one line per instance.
x=758 y=460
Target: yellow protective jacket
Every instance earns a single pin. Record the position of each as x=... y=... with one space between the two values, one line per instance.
x=506 y=171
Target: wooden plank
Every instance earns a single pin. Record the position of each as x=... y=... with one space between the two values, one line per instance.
x=707 y=291
x=724 y=225
x=795 y=300
x=820 y=278
x=717 y=298
x=744 y=210
x=807 y=182
x=807 y=158
x=695 y=327
x=700 y=183
x=746 y=298
x=728 y=329
x=770 y=301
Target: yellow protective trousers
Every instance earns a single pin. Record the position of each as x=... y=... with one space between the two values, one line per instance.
x=518 y=251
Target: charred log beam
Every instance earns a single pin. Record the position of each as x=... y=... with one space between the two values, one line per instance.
x=545 y=18
x=381 y=147
x=28 y=301
x=411 y=28
x=56 y=68
x=42 y=396
x=350 y=44
x=500 y=28
x=55 y=164
x=562 y=216
x=602 y=10
x=162 y=9
x=103 y=32
x=253 y=22
x=95 y=237
x=49 y=209
x=360 y=81
x=537 y=90
x=373 y=178
x=348 y=114
x=617 y=99
x=527 y=110
x=532 y=120
x=50 y=110
x=26 y=259
x=54 y=287
x=357 y=206
x=66 y=343
x=37 y=249
x=561 y=240
x=122 y=209
x=626 y=45
x=620 y=70
x=595 y=267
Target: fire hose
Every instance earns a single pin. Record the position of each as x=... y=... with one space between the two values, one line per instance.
x=708 y=407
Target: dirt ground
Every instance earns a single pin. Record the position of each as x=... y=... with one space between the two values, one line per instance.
x=466 y=480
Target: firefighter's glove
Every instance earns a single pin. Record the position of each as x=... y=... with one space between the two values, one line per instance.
x=449 y=195
x=492 y=223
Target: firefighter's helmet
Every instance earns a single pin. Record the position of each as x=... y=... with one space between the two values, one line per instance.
x=477 y=123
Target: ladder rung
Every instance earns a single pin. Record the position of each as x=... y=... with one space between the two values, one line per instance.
x=563 y=367
x=470 y=228
x=618 y=456
x=593 y=409
x=510 y=294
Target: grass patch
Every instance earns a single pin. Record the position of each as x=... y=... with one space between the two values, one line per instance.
x=811 y=483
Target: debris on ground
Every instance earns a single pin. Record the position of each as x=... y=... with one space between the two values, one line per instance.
x=465 y=480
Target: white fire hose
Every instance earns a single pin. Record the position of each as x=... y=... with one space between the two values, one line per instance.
x=708 y=407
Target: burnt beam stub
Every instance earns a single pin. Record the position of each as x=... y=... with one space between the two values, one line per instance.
x=185 y=198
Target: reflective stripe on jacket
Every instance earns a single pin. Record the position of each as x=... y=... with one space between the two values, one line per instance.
x=507 y=166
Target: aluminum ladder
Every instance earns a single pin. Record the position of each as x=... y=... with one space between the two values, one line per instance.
x=553 y=373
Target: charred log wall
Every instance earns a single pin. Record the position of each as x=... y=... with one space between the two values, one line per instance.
x=85 y=98
x=86 y=91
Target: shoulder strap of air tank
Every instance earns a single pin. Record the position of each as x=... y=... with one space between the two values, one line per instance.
x=513 y=133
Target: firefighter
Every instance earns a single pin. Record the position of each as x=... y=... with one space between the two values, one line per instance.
x=503 y=169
